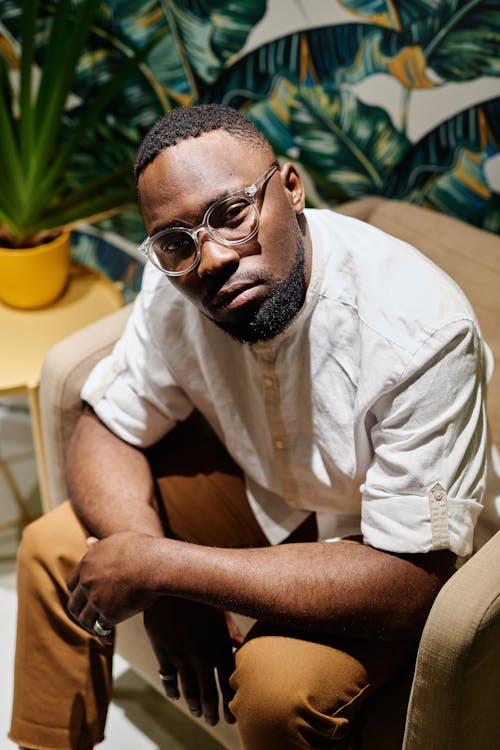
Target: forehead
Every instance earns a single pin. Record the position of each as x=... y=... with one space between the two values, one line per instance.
x=184 y=179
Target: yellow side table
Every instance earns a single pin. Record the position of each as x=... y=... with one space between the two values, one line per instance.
x=27 y=335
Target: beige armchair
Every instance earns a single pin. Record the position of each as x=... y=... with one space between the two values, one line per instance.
x=454 y=701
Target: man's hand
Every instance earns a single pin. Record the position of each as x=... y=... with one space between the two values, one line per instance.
x=192 y=641
x=111 y=581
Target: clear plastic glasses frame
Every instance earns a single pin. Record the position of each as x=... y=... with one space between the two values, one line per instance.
x=154 y=247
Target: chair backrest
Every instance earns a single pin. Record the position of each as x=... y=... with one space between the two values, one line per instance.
x=64 y=371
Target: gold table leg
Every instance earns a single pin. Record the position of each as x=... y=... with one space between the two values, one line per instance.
x=14 y=492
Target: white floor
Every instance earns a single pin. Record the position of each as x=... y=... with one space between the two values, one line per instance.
x=138 y=719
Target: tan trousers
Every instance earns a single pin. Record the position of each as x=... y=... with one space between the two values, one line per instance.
x=292 y=691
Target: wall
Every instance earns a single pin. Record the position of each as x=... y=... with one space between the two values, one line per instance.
x=400 y=99
x=385 y=97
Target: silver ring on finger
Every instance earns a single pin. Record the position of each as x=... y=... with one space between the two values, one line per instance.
x=168 y=677
x=101 y=630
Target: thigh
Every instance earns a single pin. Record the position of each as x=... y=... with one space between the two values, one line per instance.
x=297 y=691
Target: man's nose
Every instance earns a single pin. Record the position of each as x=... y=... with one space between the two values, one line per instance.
x=216 y=258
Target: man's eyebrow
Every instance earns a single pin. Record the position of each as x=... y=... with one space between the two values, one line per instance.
x=202 y=211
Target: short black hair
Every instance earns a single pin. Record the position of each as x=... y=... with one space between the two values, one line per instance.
x=190 y=122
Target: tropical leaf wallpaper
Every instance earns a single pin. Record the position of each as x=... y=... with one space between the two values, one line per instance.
x=310 y=92
x=358 y=102
x=398 y=98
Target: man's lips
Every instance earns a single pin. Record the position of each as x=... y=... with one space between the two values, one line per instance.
x=236 y=295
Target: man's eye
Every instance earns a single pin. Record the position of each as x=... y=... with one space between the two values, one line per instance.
x=176 y=244
x=235 y=213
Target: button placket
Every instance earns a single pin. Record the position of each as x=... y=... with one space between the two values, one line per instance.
x=438 y=507
x=273 y=406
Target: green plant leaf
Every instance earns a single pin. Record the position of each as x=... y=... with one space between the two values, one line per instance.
x=27 y=125
x=89 y=209
x=89 y=116
x=345 y=145
x=11 y=183
x=67 y=177
x=66 y=41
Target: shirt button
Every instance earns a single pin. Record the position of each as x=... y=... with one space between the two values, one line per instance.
x=268 y=382
x=279 y=444
x=438 y=493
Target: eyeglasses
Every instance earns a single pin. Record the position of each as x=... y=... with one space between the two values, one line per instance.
x=231 y=221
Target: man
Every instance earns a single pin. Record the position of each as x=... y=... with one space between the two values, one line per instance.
x=343 y=373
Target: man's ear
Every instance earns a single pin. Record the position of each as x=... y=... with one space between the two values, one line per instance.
x=294 y=187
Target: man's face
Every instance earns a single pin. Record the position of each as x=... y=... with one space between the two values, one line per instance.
x=253 y=290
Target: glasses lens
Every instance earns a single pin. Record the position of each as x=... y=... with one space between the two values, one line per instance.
x=234 y=219
x=174 y=250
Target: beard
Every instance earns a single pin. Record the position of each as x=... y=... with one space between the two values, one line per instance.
x=278 y=310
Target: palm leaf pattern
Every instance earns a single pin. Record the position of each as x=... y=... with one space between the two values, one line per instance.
x=458 y=41
x=446 y=169
x=302 y=89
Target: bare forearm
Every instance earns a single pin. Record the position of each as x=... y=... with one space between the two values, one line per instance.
x=340 y=588
x=110 y=482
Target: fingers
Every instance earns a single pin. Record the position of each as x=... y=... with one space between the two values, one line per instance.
x=198 y=686
x=200 y=692
x=83 y=611
x=190 y=689
x=169 y=678
x=77 y=600
x=89 y=618
x=190 y=654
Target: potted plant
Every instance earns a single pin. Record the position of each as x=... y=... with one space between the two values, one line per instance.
x=44 y=131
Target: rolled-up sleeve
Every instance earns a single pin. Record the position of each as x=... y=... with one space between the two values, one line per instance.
x=424 y=487
x=132 y=390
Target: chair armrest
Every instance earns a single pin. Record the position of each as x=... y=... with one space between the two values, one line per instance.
x=64 y=371
x=454 y=698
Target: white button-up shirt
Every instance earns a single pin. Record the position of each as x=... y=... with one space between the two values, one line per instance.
x=368 y=409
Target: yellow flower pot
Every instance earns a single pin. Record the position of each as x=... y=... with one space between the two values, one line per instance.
x=35 y=276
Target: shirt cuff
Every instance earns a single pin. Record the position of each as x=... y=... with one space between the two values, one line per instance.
x=420 y=523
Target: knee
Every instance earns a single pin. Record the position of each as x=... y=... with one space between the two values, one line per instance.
x=55 y=539
x=35 y=541
x=257 y=677
x=264 y=702
x=293 y=693
x=274 y=700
